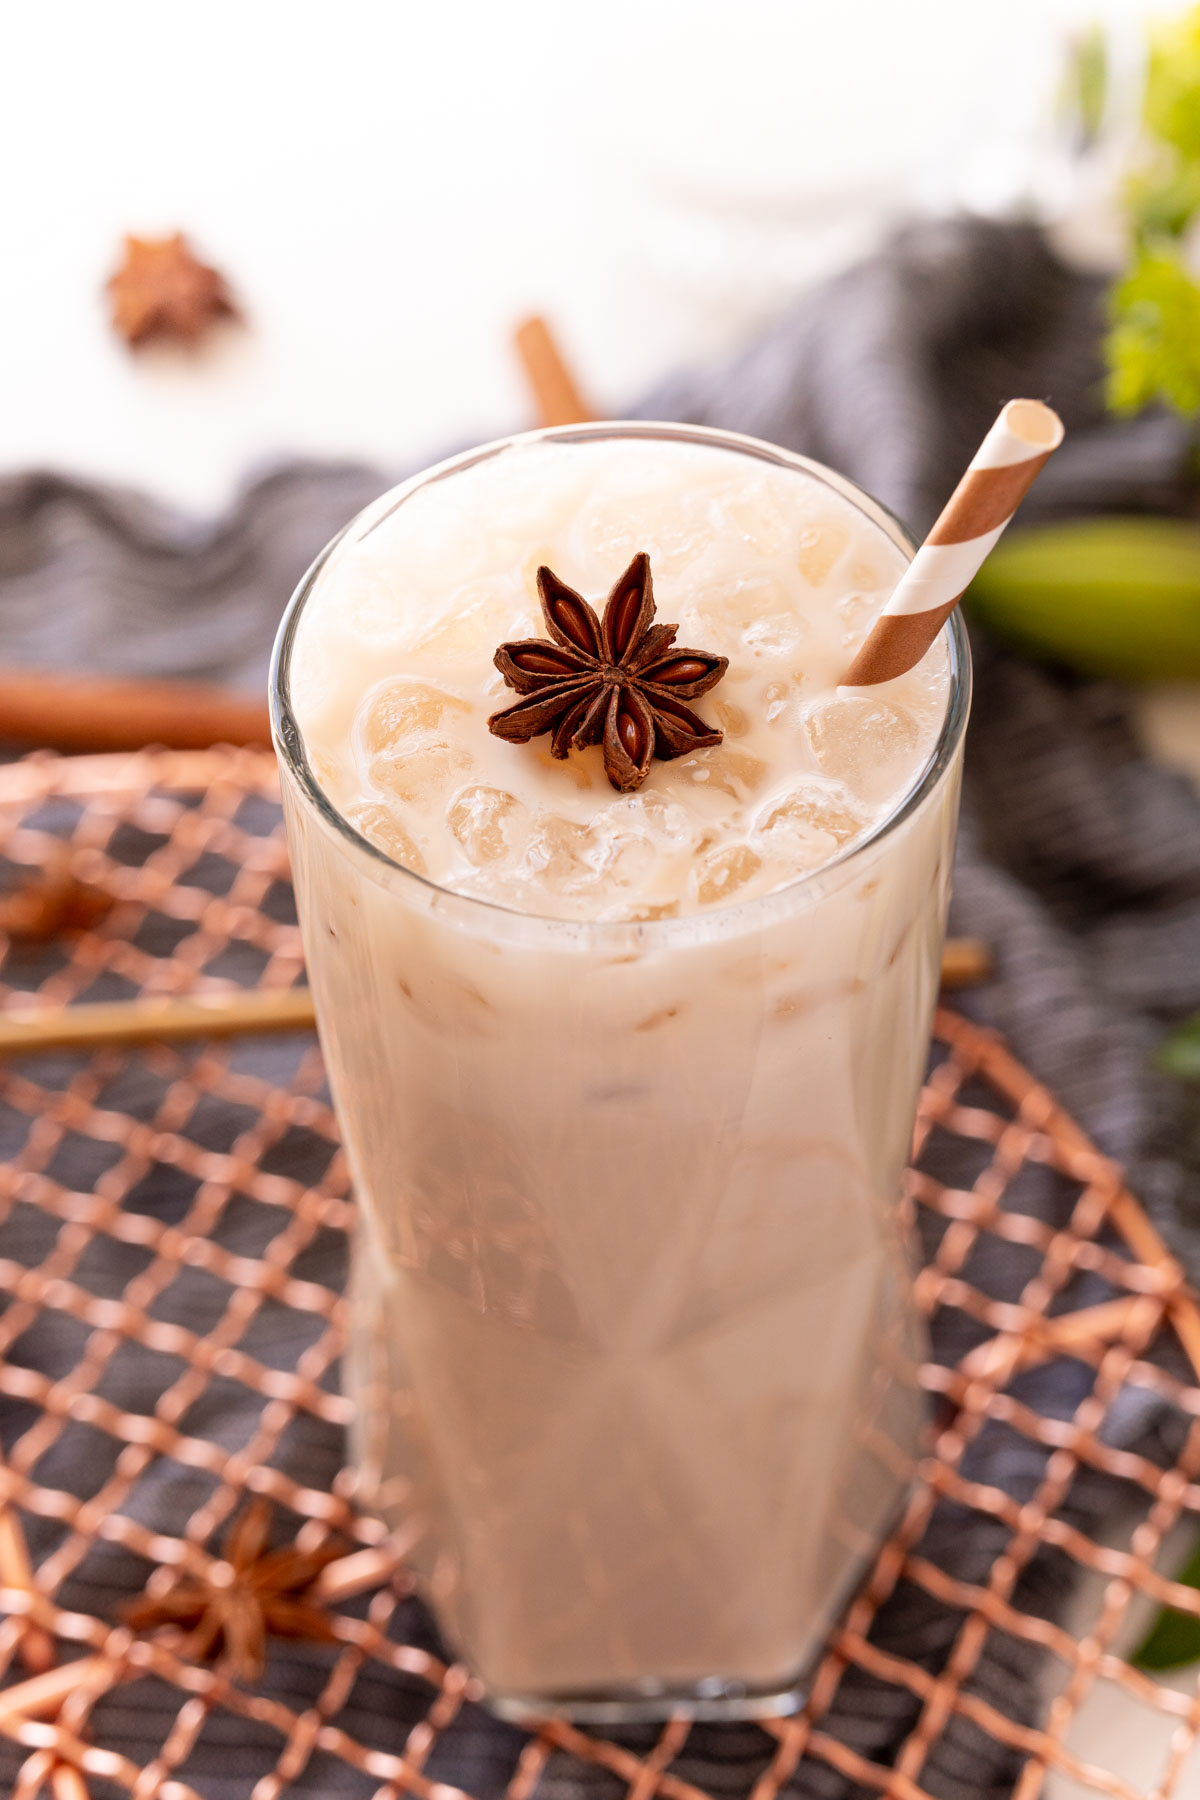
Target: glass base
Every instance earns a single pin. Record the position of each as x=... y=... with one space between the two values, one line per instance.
x=716 y=1698
x=719 y=1700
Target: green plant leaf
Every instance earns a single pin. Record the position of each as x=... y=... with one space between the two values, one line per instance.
x=1171 y=104
x=1179 y=1052
x=1153 y=348
x=1163 y=199
x=1174 y=1637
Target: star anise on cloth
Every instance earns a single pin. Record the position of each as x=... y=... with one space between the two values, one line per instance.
x=616 y=681
x=163 y=290
x=249 y=1594
x=52 y=903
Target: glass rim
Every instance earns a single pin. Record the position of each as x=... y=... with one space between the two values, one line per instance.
x=289 y=743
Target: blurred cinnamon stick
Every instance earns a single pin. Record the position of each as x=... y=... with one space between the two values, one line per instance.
x=25 y=1030
x=965 y=962
x=558 y=400
x=90 y=713
x=105 y=1024
x=79 y=713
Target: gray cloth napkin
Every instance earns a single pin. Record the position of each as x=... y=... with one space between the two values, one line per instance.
x=1079 y=861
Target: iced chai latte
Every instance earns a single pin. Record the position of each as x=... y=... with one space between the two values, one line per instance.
x=625 y=1042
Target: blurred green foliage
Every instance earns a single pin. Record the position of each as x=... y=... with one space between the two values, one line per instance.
x=1173 y=1640
x=1171 y=109
x=1153 y=345
x=1179 y=1053
x=1110 y=595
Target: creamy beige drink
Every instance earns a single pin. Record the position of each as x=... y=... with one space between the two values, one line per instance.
x=626 y=1079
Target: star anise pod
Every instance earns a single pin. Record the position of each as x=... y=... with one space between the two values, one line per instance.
x=53 y=903
x=617 y=681
x=163 y=290
x=250 y=1593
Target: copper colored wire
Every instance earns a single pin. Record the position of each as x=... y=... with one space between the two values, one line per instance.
x=225 y=804
x=16 y=1571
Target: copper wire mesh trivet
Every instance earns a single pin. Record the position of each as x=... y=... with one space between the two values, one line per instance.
x=190 y=1155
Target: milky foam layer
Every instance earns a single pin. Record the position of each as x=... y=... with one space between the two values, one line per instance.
x=393 y=679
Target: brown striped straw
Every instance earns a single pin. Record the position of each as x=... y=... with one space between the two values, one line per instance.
x=999 y=476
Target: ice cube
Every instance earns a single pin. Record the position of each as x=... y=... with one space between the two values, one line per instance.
x=723 y=770
x=628 y=858
x=871 y=576
x=743 y=614
x=827 y=808
x=645 y=911
x=387 y=833
x=777 y=696
x=722 y=874
x=430 y=543
x=864 y=741
x=419 y=770
x=531 y=607
x=753 y=513
x=776 y=634
x=486 y=821
x=731 y=719
x=472 y=624
x=922 y=691
x=585 y=768
x=562 y=855
x=790 y=854
x=657 y=816
x=821 y=543
x=364 y=600
x=326 y=770
x=810 y=824
x=569 y=858
x=402 y=709
x=858 y=612
x=647 y=508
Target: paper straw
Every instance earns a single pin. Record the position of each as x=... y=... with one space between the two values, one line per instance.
x=997 y=480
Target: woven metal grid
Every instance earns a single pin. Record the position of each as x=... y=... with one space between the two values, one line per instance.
x=172 y=1237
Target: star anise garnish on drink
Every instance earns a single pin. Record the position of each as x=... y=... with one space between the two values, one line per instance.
x=249 y=1594
x=618 y=681
x=163 y=290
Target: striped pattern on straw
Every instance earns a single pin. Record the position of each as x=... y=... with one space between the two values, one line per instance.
x=997 y=480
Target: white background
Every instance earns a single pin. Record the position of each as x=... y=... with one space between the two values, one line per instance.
x=389 y=186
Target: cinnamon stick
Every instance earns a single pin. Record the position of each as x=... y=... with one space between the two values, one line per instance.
x=107 y=1024
x=965 y=962
x=81 y=713
x=558 y=399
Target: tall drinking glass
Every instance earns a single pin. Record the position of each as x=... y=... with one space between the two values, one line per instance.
x=633 y=1344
